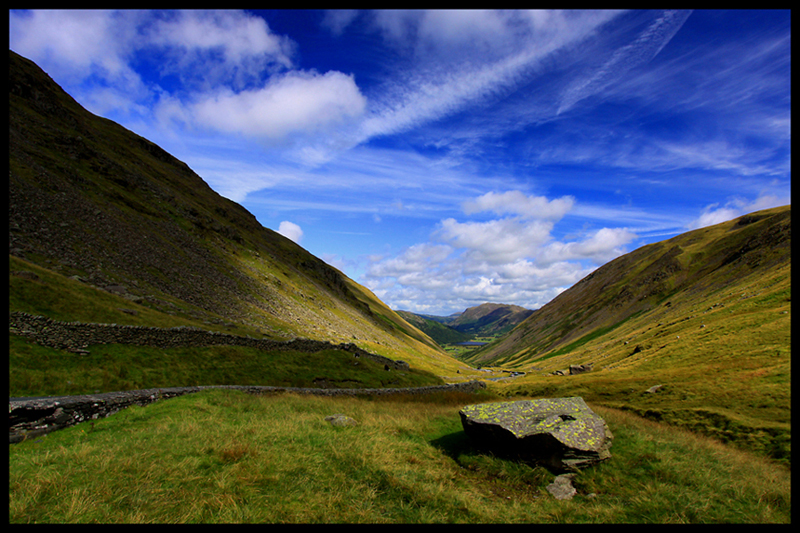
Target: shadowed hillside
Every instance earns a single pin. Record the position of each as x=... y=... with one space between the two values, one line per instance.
x=93 y=201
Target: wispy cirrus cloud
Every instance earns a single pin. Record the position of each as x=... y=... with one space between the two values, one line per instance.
x=736 y=207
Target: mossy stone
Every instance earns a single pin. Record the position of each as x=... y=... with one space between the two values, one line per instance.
x=561 y=433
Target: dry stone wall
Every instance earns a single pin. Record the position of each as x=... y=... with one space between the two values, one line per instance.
x=33 y=417
x=30 y=417
x=77 y=336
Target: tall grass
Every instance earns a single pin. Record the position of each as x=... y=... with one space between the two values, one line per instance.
x=226 y=457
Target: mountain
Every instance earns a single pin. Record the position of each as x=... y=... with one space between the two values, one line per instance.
x=90 y=200
x=677 y=276
x=483 y=320
x=435 y=329
x=694 y=331
x=490 y=319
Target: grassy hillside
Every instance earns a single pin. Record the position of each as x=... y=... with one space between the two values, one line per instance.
x=707 y=315
x=41 y=371
x=227 y=457
x=94 y=202
x=698 y=265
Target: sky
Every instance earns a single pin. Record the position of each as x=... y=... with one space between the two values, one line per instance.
x=444 y=159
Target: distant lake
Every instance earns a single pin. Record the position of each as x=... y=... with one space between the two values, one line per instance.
x=471 y=343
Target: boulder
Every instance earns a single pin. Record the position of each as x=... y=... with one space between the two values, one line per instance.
x=580 y=369
x=340 y=420
x=563 y=434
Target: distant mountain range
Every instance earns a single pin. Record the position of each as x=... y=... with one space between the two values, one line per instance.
x=487 y=319
x=93 y=201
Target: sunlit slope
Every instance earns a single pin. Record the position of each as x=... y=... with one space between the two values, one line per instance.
x=690 y=272
x=92 y=200
x=694 y=331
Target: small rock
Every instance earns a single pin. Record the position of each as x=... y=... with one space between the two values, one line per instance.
x=341 y=420
x=654 y=389
x=561 y=488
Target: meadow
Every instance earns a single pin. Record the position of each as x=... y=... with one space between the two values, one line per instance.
x=224 y=456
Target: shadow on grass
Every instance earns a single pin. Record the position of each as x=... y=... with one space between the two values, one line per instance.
x=455 y=445
x=462 y=449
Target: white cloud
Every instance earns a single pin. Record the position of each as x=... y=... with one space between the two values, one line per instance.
x=236 y=75
x=714 y=214
x=518 y=203
x=496 y=241
x=297 y=101
x=602 y=246
x=235 y=33
x=291 y=231
x=512 y=260
x=642 y=50
x=207 y=48
x=463 y=27
x=464 y=32
x=73 y=43
x=414 y=259
x=510 y=45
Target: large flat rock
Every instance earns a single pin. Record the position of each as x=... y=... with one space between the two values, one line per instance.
x=563 y=434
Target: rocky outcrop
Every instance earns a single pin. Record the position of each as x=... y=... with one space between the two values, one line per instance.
x=563 y=434
x=31 y=417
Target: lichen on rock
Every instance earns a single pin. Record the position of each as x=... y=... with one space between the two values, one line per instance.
x=561 y=433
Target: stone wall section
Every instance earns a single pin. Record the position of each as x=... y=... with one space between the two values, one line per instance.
x=78 y=336
x=33 y=417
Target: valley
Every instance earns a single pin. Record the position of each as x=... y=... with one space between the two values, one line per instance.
x=476 y=326
x=683 y=345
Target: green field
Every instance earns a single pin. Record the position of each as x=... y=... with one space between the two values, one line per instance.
x=228 y=457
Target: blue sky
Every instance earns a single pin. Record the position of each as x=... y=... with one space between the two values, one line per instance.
x=448 y=158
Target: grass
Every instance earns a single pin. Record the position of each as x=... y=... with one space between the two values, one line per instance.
x=228 y=457
x=723 y=358
x=37 y=370
x=62 y=298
